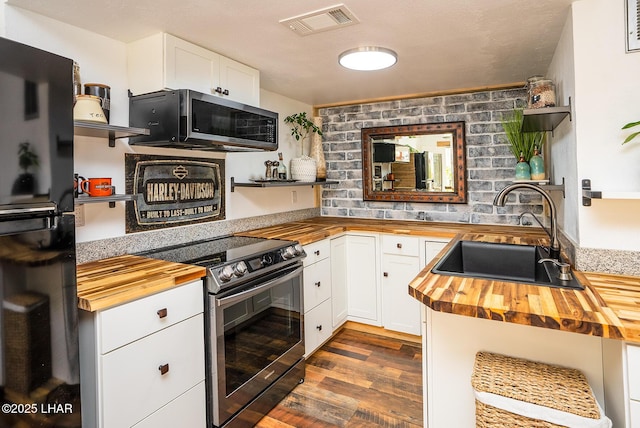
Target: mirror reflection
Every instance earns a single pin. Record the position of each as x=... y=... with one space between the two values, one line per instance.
x=415 y=162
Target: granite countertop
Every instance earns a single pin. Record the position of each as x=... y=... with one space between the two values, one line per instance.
x=608 y=307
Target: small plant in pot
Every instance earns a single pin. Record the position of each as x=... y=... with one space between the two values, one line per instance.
x=523 y=145
x=304 y=167
x=25 y=184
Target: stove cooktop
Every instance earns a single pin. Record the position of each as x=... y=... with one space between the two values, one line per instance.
x=232 y=260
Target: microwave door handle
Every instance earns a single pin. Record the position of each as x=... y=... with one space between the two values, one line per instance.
x=225 y=301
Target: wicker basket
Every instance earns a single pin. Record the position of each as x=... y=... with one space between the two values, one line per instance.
x=27 y=330
x=553 y=387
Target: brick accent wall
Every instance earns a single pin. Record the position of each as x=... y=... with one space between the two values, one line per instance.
x=490 y=164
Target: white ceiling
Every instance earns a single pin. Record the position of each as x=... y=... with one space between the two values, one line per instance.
x=441 y=44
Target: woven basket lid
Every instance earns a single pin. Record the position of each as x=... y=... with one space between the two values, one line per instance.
x=555 y=387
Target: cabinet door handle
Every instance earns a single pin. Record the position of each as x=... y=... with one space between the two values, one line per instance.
x=164 y=369
x=316 y=252
x=162 y=313
x=319 y=327
x=399 y=245
x=218 y=90
x=225 y=92
x=385 y=274
x=318 y=284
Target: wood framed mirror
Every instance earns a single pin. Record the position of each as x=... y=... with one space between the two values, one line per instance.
x=415 y=163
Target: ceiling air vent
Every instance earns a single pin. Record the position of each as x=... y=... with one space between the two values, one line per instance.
x=633 y=25
x=330 y=18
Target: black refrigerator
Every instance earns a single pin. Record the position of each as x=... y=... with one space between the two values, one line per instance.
x=39 y=365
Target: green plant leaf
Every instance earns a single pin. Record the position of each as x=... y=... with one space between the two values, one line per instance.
x=631 y=137
x=631 y=125
x=520 y=142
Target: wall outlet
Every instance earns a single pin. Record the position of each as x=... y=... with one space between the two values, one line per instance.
x=79 y=213
x=294 y=197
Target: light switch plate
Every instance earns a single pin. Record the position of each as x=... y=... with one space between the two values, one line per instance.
x=79 y=214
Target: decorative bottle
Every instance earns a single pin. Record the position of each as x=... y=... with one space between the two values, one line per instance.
x=523 y=172
x=282 y=169
x=536 y=164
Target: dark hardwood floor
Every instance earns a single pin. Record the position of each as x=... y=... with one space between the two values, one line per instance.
x=363 y=377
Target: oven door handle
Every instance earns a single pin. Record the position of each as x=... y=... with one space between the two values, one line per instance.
x=230 y=300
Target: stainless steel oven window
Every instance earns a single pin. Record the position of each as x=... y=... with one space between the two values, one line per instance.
x=257 y=336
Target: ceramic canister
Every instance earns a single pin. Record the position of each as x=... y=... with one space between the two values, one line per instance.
x=103 y=92
x=88 y=108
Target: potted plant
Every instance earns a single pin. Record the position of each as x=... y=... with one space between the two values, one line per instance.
x=25 y=183
x=632 y=136
x=302 y=168
x=523 y=145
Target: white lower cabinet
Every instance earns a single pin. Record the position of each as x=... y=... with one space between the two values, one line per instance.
x=339 y=305
x=621 y=366
x=143 y=362
x=633 y=368
x=317 y=326
x=400 y=264
x=317 y=295
x=184 y=411
x=363 y=294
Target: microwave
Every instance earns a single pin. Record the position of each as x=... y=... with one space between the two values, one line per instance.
x=187 y=119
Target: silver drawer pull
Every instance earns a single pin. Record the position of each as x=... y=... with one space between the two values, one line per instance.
x=162 y=313
x=164 y=369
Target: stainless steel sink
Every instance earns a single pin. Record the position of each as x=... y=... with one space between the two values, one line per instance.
x=502 y=262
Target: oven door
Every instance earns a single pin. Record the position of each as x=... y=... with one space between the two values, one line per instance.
x=256 y=335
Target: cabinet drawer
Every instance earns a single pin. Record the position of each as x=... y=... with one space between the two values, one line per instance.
x=317 y=326
x=633 y=366
x=317 y=251
x=317 y=283
x=188 y=410
x=132 y=383
x=124 y=324
x=401 y=245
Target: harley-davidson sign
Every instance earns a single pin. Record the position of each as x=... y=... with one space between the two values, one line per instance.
x=173 y=192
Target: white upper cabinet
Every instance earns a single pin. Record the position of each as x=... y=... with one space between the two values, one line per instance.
x=163 y=61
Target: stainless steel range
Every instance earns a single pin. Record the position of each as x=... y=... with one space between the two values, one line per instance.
x=254 y=328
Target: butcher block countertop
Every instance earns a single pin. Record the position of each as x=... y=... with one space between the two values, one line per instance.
x=608 y=307
x=117 y=280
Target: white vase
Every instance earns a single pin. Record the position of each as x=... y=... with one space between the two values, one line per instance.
x=303 y=169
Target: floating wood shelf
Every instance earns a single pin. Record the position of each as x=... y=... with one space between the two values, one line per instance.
x=278 y=183
x=104 y=130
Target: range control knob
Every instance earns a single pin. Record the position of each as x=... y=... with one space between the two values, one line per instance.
x=226 y=273
x=292 y=251
x=267 y=260
x=288 y=253
x=239 y=268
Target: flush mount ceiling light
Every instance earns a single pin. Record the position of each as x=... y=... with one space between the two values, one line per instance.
x=368 y=58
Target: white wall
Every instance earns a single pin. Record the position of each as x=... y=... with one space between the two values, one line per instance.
x=607 y=91
x=591 y=66
x=563 y=145
x=103 y=60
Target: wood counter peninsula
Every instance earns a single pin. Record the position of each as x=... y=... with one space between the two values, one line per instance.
x=464 y=315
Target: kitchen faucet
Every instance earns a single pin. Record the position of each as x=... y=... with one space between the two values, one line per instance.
x=554 y=245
